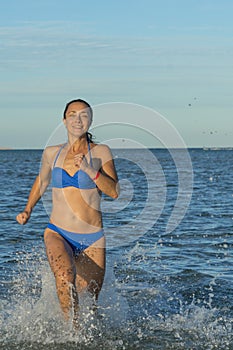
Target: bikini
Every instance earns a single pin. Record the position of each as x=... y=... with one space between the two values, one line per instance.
x=78 y=241
x=61 y=179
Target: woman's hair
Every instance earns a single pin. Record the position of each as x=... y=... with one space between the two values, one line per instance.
x=80 y=101
x=89 y=135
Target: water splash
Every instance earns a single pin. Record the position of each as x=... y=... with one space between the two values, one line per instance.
x=134 y=312
x=31 y=317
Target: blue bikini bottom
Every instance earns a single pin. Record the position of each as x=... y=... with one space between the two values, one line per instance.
x=78 y=241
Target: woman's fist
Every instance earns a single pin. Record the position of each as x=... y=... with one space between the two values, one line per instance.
x=23 y=217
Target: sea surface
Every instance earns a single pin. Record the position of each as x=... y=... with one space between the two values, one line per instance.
x=169 y=276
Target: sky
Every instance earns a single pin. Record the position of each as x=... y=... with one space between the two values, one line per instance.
x=172 y=57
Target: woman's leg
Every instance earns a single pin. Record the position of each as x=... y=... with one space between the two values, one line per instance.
x=61 y=260
x=90 y=268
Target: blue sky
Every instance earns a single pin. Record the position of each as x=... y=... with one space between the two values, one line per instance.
x=172 y=56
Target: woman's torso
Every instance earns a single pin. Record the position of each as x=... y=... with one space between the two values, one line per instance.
x=74 y=209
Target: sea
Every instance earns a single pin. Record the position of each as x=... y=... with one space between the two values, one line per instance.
x=169 y=272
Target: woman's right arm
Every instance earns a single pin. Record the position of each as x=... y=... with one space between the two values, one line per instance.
x=38 y=188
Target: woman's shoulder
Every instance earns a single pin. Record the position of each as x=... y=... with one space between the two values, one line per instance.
x=101 y=147
x=102 y=151
x=53 y=148
x=50 y=151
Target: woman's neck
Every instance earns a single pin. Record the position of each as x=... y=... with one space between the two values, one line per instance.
x=77 y=143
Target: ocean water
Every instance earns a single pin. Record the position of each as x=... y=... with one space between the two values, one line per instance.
x=169 y=277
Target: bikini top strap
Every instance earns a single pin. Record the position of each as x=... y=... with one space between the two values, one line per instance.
x=89 y=150
x=58 y=153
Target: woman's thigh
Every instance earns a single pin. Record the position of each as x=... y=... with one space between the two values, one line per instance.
x=60 y=254
x=90 y=268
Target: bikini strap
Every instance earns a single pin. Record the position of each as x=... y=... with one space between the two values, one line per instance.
x=89 y=150
x=58 y=153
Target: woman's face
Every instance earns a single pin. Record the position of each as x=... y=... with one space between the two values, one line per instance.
x=78 y=119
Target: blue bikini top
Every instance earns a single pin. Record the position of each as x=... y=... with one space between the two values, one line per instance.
x=61 y=178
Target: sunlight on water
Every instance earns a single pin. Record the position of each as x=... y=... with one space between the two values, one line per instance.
x=162 y=290
x=33 y=313
x=32 y=318
x=132 y=312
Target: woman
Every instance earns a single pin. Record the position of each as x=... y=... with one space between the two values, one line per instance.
x=79 y=171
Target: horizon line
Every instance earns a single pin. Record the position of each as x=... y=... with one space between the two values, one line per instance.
x=133 y=148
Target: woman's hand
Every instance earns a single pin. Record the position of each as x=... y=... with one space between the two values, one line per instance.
x=23 y=217
x=80 y=161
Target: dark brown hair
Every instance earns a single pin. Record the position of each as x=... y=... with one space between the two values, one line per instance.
x=80 y=101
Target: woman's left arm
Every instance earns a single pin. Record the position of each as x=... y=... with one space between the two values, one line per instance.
x=106 y=178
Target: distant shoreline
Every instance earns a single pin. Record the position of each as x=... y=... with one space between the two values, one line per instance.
x=230 y=148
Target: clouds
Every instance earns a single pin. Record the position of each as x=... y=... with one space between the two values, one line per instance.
x=50 y=56
x=55 y=40
x=163 y=65
x=60 y=50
